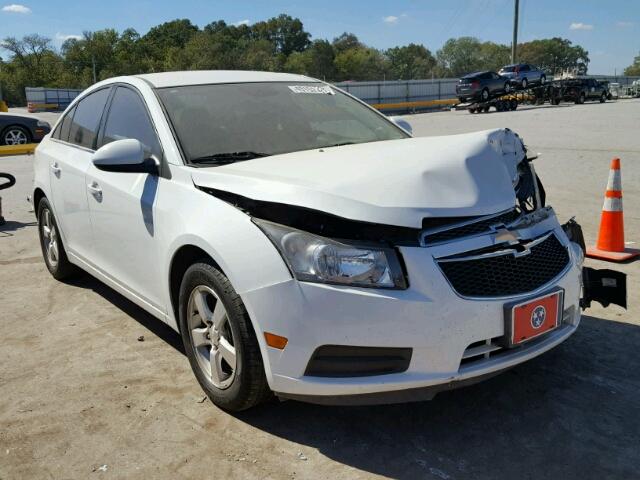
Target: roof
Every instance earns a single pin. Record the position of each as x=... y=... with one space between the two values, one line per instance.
x=475 y=74
x=203 y=77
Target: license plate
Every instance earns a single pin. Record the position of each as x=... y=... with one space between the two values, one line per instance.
x=532 y=318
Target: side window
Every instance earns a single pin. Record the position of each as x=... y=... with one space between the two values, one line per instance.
x=84 y=126
x=524 y=68
x=128 y=118
x=62 y=132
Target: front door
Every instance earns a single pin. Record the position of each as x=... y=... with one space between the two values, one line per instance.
x=122 y=205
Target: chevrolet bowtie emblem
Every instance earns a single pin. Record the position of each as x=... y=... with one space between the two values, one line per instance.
x=506 y=236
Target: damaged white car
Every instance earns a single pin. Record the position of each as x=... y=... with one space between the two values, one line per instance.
x=302 y=243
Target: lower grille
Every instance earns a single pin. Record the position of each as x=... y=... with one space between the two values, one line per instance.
x=504 y=274
x=348 y=361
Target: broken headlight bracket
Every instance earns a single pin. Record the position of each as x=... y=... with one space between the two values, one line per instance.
x=604 y=286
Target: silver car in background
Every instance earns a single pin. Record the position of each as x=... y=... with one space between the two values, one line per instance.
x=523 y=74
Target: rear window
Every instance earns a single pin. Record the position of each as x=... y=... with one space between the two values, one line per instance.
x=62 y=131
x=84 y=126
x=510 y=68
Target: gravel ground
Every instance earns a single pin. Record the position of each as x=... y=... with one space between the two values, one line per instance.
x=82 y=397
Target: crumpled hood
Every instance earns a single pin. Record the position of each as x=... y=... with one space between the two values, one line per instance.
x=397 y=182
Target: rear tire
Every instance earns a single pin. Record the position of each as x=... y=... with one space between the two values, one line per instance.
x=484 y=95
x=581 y=98
x=524 y=83
x=53 y=252
x=219 y=339
x=603 y=98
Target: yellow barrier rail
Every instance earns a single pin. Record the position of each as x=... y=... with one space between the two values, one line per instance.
x=3 y=106
x=418 y=104
x=25 y=149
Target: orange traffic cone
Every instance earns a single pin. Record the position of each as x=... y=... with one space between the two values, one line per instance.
x=610 y=244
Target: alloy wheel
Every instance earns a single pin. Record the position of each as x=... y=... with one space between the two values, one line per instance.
x=211 y=336
x=15 y=136
x=50 y=238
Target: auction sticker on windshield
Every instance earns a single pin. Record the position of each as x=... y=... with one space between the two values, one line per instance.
x=313 y=89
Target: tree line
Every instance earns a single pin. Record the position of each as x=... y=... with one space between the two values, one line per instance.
x=278 y=44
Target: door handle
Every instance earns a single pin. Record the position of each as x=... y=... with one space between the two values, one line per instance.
x=55 y=168
x=95 y=190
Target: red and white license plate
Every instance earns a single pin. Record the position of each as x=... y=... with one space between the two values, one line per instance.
x=533 y=318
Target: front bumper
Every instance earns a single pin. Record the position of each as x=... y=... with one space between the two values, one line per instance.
x=429 y=317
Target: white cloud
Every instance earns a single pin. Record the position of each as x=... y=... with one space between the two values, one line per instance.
x=624 y=24
x=580 y=26
x=64 y=37
x=242 y=22
x=16 y=8
x=391 y=19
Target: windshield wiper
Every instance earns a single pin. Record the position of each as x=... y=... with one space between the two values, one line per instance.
x=228 y=157
x=338 y=144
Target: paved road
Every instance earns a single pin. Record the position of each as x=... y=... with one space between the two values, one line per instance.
x=83 y=398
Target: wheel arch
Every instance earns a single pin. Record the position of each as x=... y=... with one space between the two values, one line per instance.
x=185 y=256
x=38 y=194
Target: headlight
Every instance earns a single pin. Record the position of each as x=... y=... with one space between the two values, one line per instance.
x=312 y=258
x=43 y=124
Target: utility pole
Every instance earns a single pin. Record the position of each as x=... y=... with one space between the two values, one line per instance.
x=514 y=44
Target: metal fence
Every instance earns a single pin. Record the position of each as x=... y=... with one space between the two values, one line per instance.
x=425 y=94
x=40 y=98
x=376 y=93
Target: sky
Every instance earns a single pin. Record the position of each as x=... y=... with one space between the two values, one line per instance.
x=609 y=31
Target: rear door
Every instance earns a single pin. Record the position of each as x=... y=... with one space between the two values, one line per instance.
x=122 y=205
x=69 y=158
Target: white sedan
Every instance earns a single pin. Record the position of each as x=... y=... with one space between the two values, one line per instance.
x=302 y=243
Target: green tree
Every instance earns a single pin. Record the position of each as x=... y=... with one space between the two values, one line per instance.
x=346 y=41
x=633 y=70
x=316 y=61
x=459 y=56
x=161 y=39
x=360 y=63
x=286 y=34
x=554 y=55
x=410 y=62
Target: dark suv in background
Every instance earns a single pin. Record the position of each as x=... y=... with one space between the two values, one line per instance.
x=481 y=86
x=579 y=90
x=523 y=74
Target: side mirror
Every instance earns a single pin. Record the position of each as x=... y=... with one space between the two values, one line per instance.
x=403 y=124
x=126 y=155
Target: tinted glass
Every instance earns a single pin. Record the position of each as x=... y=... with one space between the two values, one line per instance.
x=269 y=118
x=62 y=132
x=128 y=118
x=510 y=68
x=524 y=68
x=87 y=117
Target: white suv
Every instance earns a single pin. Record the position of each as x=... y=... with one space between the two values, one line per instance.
x=301 y=242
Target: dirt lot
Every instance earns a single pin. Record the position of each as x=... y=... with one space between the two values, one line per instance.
x=83 y=398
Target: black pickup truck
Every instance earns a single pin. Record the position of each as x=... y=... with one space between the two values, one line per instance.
x=579 y=90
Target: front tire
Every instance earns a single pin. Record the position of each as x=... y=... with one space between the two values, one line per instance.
x=603 y=98
x=524 y=83
x=219 y=339
x=15 y=135
x=55 y=256
x=484 y=95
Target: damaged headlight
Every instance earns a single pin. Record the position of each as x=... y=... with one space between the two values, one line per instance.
x=312 y=258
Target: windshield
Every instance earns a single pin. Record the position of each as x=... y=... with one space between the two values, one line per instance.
x=250 y=120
